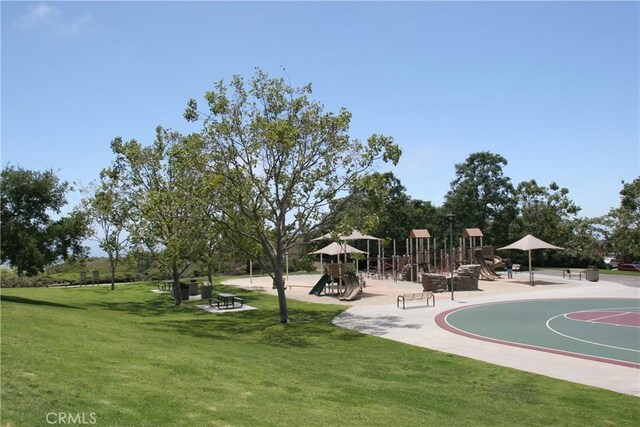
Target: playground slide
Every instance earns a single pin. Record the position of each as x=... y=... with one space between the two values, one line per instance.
x=319 y=287
x=492 y=264
x=497 y=262
x=352 y=288
x=486 y=272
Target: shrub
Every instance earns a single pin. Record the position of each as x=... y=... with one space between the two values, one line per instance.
x=304 y=263
x=42 y=281
x=156 y=274
x=16 y=282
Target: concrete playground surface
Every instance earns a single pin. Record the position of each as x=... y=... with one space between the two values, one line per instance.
x=376 y=313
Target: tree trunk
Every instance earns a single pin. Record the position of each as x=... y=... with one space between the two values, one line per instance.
x=210 y=275
x=176 y=284
x=282 y=298
x=112 y=261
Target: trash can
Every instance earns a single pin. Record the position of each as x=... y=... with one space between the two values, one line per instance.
x=193 y=287
x=593 y=274
x=184 y=291
x=206 y=290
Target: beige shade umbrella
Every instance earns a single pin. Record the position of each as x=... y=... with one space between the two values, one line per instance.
x=336 y=249
x=529 y=243
x=355 y=235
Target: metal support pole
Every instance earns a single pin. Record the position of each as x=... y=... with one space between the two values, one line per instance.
x=451 y=218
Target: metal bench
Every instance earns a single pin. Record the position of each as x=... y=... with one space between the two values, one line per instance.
x=569 y=273
x=418 y=296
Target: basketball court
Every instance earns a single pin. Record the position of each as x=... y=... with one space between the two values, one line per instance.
x=600 y=329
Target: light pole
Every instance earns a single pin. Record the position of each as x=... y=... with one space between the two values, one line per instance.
x=450 y=218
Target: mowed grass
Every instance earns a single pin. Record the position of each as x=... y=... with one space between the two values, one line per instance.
x=130 y=358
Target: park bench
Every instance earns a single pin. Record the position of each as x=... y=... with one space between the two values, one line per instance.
x=418 y=296
x=569 y=273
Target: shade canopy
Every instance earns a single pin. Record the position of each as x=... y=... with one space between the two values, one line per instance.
x=355 y=235
x=529 y=243
x=337 y=249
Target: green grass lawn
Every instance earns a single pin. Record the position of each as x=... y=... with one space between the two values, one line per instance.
x=130 y=358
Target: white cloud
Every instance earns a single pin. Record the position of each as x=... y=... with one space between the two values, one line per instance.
x=44 y=15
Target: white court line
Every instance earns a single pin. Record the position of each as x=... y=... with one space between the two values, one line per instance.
x=604 y=317
x=601 y=318
x=586 y=341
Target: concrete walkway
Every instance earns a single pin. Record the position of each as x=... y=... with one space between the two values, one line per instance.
x=375 y=313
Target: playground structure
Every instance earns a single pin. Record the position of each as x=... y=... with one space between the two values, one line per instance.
x=337 y=280
x=423 y=256
x=423 y=260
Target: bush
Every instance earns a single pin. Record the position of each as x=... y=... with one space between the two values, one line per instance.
x=304 y=263
x=16 y=282
x=42 y=281
x=156 y=274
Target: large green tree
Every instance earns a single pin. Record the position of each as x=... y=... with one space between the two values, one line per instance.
x=546 y=212
x=549 y=214
x=623 y=234
x=395 y=212
x=162 y=186
x=482 y=196
x=31 y=237
x=281 y=159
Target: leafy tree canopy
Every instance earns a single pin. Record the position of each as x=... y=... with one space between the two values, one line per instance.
x=482 y=196
x=280 y=160
x=624 y=223
x=395 y=212
x=164 y=190
x=546 y=212
x=31 y=237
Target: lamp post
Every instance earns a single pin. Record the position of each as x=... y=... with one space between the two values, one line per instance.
x=450 y=218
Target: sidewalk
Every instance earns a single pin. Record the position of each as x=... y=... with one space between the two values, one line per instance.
x=375 y=313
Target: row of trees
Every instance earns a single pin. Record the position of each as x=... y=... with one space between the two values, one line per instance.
x=506 y=212
x=269 y=170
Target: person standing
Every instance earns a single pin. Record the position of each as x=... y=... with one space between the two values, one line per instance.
x=509 y=265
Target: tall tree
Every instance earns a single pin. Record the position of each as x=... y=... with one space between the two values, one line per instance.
x=369 y=204
x=583 y=246
x=482 y=196
x=395 y=212
x=624 y=223
x=161 y=185
x=549 y=214
x=281 y=160
x=109 y=215
x=546 y=212
x=31 y=237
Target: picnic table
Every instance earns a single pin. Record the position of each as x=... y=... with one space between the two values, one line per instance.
x=165 y=286
x=226 y=301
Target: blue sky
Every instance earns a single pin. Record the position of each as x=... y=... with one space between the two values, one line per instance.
x=552 y=87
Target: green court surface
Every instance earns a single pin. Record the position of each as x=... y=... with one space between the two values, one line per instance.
x=603 y=329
